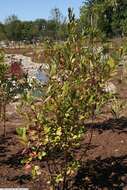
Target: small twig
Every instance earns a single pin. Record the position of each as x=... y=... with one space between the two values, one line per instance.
x=65 y=171
x=4 y=118
x=51 y=175
x=46 y=99
x=89 y=142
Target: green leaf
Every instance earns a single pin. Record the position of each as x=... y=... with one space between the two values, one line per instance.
x=111 y=62
x=59 y=178
x=35 y=171
x=59 y=132
x=21 y=131
x=41 y=155
x=65 y=89
x=53 y=69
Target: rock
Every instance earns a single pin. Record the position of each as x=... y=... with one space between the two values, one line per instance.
x=110 y=87
x=124 y=178
x=27 y=64
x=35 y=70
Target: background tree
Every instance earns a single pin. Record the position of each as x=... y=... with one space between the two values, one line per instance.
x=2 y=32
x=13 y=27
x=41 y=26
x=59 y=23
x=109 y=16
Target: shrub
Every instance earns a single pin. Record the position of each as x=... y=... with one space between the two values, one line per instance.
x=74 y=93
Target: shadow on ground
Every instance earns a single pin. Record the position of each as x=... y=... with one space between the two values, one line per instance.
x=4 y=149
x=21 y=179
x=99 y=174
x=116 y=125
x=107 y=174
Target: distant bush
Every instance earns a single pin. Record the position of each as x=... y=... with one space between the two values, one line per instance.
x=12 y=82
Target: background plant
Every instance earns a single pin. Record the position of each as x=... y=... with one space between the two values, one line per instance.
x=10 y=86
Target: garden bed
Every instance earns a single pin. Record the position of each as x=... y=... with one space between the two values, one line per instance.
x=104 y=167
x=104 y=163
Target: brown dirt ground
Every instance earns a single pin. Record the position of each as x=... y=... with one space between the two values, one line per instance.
x=104 y=166
x=30 y=52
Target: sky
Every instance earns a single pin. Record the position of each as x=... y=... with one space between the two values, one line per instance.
x=33 y=9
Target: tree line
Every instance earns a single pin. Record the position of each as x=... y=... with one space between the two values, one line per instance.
x=13 y=29
x=107 y=17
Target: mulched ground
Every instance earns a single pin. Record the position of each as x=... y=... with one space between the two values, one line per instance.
x=104 y=166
